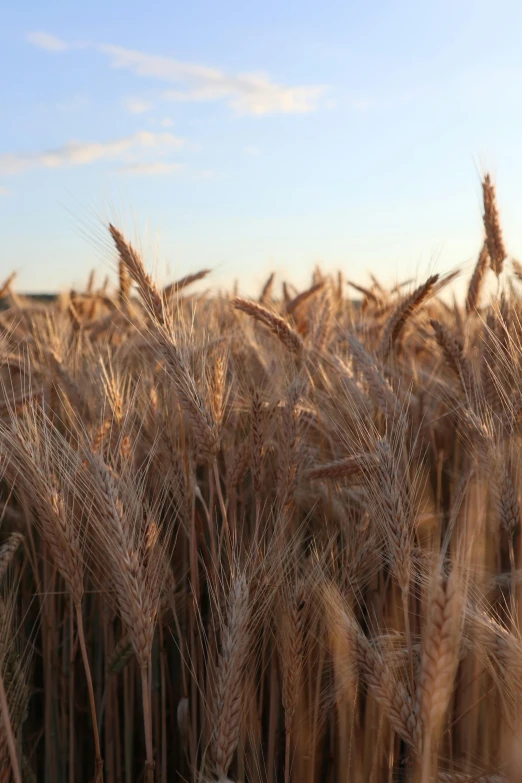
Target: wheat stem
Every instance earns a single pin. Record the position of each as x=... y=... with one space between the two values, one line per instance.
x=90 y=688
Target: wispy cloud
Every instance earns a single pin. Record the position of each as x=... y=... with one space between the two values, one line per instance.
x=252 y=150
x=158 y=167
x=49 y=42
x=137 y=105
x=3 y=191
x=76 y=153
x=244 y=93
x=167 y=123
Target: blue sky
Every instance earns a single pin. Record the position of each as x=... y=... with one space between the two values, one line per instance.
x=248 y=137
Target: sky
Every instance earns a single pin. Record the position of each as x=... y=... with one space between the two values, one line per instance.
x=252 y=137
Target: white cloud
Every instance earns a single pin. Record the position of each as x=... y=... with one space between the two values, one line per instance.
x=3 y=191
x=245 y=93
x=158 y=167
x=254 y=151
x=252 y=94
x=76 y=153
x=137 y=106
x=48 y=42
x=167 y=123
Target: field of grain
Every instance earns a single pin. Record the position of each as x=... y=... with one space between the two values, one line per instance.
x=263 y=540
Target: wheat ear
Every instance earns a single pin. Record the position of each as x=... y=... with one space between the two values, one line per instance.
x=301 y=298
x=197 y=414
x=7 y=552
x=120 y=656
x=341 y=468
x=454 y=355
x=266 y=293
x=125 y=283
x=290 y=646
x=354 y=649
x=402 y=313
x=439 y=658
x=147 y=287
x=477 y=279
x=378 y=386
x=137 y=587
x=228 y=704
x=174 y=288
x=494 y=240
x=277 y=325
x=6 y=285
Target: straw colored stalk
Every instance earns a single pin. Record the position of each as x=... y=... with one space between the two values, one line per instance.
x=6 y=730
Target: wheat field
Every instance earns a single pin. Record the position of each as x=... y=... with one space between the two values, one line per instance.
x=263 y=540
